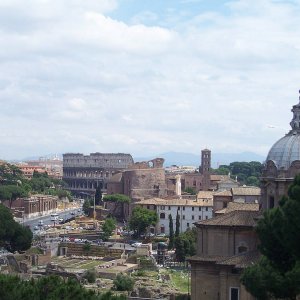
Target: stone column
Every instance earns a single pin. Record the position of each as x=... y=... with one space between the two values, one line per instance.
x=178 y=185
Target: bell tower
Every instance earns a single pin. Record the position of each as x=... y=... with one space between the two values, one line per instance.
x=205 y=168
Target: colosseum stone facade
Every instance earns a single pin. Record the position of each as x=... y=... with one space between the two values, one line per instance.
x=84 y=173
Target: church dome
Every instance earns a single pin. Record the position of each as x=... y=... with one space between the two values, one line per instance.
x=287 y=150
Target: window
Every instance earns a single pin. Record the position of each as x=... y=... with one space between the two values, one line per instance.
x=193 y=208
x=206 y=217
x=187 y=224
x=206 y=208
x=178 y=207
x=199 y=217
x=169 y=207
x=148 y=206
x=162 y=216
x=162 y=207
x=242 y=249
x=271 y=202
x=183 y=208
x=183 y=217
x=199 y=208
x=192 y=217
x=234 y=293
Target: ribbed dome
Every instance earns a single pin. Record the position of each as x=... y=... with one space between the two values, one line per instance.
x=285 y=151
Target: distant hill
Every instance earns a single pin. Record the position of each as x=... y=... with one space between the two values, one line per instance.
x=191 y=159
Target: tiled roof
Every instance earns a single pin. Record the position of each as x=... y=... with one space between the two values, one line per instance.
x=218 y=177
x=246 y=191
x=231 y=206
x=223 y=193
x=176 y=202
x=242 y=260
x=205 y=258
x=233 y=218
x=205 y=195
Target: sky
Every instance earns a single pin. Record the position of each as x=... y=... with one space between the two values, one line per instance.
x=146 y=76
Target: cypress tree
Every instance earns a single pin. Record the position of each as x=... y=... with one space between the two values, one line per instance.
x=177 y=230
x=171 y=233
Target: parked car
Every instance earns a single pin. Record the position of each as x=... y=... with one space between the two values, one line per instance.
x=150 y=234
x=132 y=242
x=161 y=235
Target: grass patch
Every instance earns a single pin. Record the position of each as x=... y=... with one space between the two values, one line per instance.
x=74 y=264
x=179 y=280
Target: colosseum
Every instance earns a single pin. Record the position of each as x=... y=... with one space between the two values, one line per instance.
x=85 y=173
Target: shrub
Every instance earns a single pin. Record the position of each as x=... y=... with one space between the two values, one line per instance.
x=123 y=283
x=90 y=276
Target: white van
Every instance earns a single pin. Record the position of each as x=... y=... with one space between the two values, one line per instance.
x=54 y=217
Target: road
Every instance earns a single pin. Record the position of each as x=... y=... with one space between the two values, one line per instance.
x=67 y=214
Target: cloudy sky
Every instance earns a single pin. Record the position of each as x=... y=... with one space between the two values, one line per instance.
x=146 y=76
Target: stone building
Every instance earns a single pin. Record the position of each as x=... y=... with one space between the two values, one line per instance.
x=228 y=243
x=243 y=194
x=84 y=173
x=282 y=164
x=33 y=206
x=140 y=180
x=189 y=211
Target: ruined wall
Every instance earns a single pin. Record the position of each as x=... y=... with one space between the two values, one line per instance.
x=95 y=250
x=84 y=173
x=145 y=180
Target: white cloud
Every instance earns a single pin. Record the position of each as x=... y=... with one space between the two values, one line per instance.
x=73 y=78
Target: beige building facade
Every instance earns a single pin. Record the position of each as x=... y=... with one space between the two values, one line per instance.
x=226 y=244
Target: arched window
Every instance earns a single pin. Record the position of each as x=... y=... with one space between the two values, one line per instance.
x=242 y=249
x=162 y=216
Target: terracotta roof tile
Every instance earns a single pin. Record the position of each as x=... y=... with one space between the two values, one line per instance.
x=176 y=202
x=205 y=258
x=218 y=177
x=233 y=218
x=231 y=206
x=242 y=260
x=223 y=193
x=205 y=195
x=246 y=191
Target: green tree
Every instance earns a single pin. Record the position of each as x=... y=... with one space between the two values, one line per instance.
x=98 y=196
x=141 y=219
x=11 y=193
x=123 y=283
x=190 y=190
x=13 y=236
x=90 y=275
x=86 y=206
x=48 y=288
x=246 y=172
x=185 y=245
x=107 y=228
x=177 y=228
x=277 y=274
x=119 y=201
x=10 y=174
x=171 y=233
